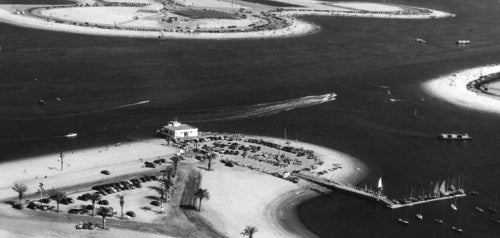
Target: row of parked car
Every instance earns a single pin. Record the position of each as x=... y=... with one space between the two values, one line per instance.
x=109 y=188
x=153 y=164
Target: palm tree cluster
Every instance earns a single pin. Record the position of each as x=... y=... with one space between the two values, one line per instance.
x=165 y=184
x=105 y=212
x=58 y=196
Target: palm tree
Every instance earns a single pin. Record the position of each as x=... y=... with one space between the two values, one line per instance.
x=210 y=158
x=58 y=196
x=20 y=189
x=163 y=188
x=121 y=197
x=175 y=160
x=201 y=194
x=249 y=231
x=94 y=198
x=104 y=212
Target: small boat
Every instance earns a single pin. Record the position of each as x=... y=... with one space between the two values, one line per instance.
x=474 y=193
x=456 y=229
x=439 y=221
x=71 y=135
x=462 y=42
x=479 y=209
x=495 y=220
x=420 y=217
x=453 y=136
x=454 y=207
x=41 y=102
x=421 y=41
x=403 y=221
x=330 y=42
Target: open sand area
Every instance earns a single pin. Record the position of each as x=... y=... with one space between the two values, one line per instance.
x=207 y=20
x=229 y=188
x=120 y=159
x=453 y=89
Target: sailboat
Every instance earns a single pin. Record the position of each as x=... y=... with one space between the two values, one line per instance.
x=442 y=189
x=420 y=217
x=456 y=229
x=454 y=206
x=380 y=187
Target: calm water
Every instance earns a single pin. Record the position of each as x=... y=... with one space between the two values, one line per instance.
x=185 y=78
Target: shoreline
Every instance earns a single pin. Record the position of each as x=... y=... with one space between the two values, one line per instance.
x=269 y=208
x=280 y=22
x=453 y=88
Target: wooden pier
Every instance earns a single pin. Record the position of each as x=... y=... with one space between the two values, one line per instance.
x=370 y=195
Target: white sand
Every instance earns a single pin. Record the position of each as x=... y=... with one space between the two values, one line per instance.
x=79 y=166
x=367 y=6
x=123 y=16
x=14 y=224
x=101 y=15
x=453 y=89
x=209 y=4
x=241 y=197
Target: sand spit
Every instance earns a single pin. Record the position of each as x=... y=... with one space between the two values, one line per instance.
x=453 y=89
x=195 y=19
x=239 y=196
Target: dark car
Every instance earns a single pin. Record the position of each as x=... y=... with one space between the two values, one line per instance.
x=130 y=214
x=105 y=172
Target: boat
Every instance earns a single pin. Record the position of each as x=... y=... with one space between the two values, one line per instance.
x=454 y=136
x=41 y=102
x=495 y=220
x=474 y=193
x=456 y=229
x=421 y=41
x=71 y=135
x=454 y=207
x=380 y=187
x=439 y=221
x=462 y=42
x=442 y=189
x=403 y=221
x=420 y=217
x=479 y=209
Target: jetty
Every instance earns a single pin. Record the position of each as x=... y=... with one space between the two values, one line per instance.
x=376 y=196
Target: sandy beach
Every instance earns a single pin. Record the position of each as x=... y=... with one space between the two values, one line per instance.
x=147 y=20
x=453 y=89
x=263 y=195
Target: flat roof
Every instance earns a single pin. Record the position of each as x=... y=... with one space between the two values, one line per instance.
x=180 y=127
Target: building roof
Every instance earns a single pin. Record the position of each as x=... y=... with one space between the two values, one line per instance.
x=180 y=127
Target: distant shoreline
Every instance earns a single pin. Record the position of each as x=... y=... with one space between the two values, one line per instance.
x=270 y=22
x=455 y=89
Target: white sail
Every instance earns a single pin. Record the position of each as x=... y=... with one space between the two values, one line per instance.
x=380 y=186
x=436 y=189
x=442 y=189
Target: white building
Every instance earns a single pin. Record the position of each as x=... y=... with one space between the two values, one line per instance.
x=175 y=130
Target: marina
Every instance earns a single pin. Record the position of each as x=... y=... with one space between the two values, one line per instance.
x=375 y=196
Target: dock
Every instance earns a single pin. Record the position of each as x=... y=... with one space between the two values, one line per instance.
x=378 y=197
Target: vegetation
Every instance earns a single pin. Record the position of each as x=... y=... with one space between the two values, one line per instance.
x=58 y=196
x=175 y=160
x=121 y=197
x=163 y=189
x=210 y=158
x=94 y=198
x=21 y=189
x=201 y=14
x=201 y=194
x=249 y=231
x=105 y=212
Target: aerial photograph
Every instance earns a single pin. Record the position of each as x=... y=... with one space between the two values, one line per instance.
x=250 y=118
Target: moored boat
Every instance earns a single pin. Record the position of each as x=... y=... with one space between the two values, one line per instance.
x=479 y=209
x=454 y=136
x=456 y=229
x=439 y=221
x=403 y=221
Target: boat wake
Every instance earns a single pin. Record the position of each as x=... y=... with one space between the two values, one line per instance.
x=76 y=114
x=263 y=109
